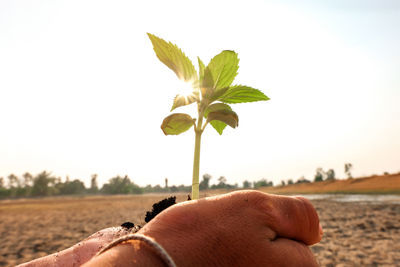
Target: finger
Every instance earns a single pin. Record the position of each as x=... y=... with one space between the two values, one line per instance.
x=288 y=252
x=292 y=217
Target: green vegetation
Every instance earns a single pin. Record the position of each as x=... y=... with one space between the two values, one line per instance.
x=45 y=184
x=262 y=183
x=212 y=91
x=347 y=169
x=321 y=175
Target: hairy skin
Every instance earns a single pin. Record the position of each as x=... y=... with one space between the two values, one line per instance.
x=243 y=228
x=81 y=252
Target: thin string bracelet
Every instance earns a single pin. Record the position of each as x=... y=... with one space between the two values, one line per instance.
x=148 y=240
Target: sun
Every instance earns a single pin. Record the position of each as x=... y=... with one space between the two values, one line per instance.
x=185 y=88
x=187 y=91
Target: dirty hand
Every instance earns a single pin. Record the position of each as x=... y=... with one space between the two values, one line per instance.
x=81 y=252
x=243 y=228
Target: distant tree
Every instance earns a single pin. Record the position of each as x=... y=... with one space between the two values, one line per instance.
x=319 y=175
x=246 y=184
x=27 y=183
x=222 y=180
x=184 y=188
x=221 y=183
x=147 y=189
x=283 y=183
x=330 y=174
x=3 y=190
x=74 y=187
x=57 y=180
x=42 y=184
x=347 y=169
x=157 y=188
x=174 y=188
x=262 y=183
x=28 y=179
x=386 y=173
x=93 y=184
x=302 y=180
x=123 y=185
x=14 y=185
x=166 y=183
x=13 y=181
x=205 y=183
x=290 y=181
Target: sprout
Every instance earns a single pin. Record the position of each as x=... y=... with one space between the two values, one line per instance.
x=211 y=90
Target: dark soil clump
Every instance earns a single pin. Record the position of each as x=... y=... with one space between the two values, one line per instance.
x=159 y=207
x=128 y=225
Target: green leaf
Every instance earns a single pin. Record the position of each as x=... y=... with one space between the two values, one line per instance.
x=177 y=123
x=219 y=115
x=227 y=116
x=181 y=100
x=207 y=84
x=223 y=69
x=201 y=70
x=242 y=94
x=217 y=94
x=219 y=126
x=174 y=58
x=216 y=107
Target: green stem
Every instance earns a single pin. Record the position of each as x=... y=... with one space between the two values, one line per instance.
x=196 y=161
x=196 y=166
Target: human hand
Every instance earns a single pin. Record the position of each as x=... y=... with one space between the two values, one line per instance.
x=243 y=228
x=81 y=252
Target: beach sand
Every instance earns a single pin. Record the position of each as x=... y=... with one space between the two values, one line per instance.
x=355 y=234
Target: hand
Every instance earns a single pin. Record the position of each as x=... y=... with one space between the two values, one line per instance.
x=81 y=252
x=243 y=228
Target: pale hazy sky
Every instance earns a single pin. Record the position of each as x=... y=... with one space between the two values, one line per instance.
x=82 y=92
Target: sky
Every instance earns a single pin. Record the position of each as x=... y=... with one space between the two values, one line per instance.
x=82 y=91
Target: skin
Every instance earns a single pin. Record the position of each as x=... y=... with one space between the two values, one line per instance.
x=243 y=228
x=80 y=252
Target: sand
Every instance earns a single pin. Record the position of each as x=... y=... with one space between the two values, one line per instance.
x=358 y=234
x=355 y=234
x=381 y=184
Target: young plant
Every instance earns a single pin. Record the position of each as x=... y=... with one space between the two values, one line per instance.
x=212 y=91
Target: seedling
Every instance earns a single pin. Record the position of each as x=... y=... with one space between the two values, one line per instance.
x=211 y=90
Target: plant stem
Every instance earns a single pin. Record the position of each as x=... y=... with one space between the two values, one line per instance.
x=196 y=166
x=196 y=161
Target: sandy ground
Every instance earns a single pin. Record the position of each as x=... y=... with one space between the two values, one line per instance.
x=356 y=234
x=383 y=184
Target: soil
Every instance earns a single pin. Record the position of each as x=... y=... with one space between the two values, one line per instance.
x=355 y=234
x=128 y=225
x=380 y=184
x=358 y=234
x=159 y=207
